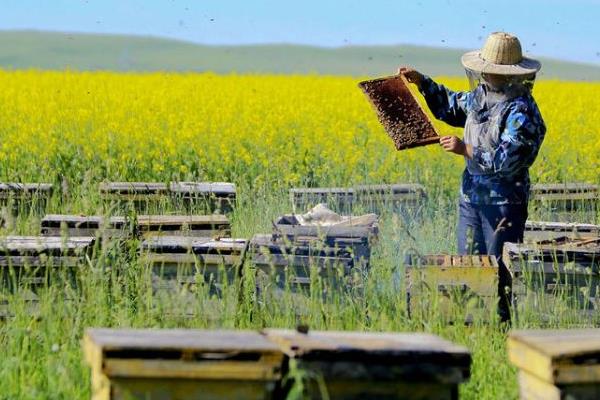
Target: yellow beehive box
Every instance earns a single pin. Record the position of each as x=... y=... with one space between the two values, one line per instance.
x=181 y=364
x=557 y=364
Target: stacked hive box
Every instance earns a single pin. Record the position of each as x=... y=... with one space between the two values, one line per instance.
x=467 y=284
x=34 y=260
x=366 y=198
x=215 y=225
x=212 y=226
x=543 y=231
x=351 y=234
x=340 y=200
x=297 y=264
x=181 y=259
x=25 y=197
x=557 y=364
x=353 y=365
x=570 y=268
x=78 y=225
x=217 y=197
x=565 y=201
x=181 y=364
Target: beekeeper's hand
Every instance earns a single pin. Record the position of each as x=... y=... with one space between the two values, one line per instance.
x=453 y=144
x=411 y=75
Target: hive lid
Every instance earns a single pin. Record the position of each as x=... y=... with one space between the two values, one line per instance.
x=174 y=339
x=19 y=245
x=399 y=112
x=557 y=356
x=391 y=348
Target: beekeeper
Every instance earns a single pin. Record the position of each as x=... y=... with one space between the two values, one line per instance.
x=503 y=134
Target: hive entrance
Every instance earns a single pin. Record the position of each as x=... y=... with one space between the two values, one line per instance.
x=399 y=112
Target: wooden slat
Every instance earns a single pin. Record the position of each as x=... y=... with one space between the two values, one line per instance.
x=196 y=245
x=218 y=189
x=43 y=244
x=134 y=188
x=26 y=188
x=40 y=261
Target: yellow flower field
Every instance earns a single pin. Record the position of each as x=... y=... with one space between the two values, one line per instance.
x=258 y=130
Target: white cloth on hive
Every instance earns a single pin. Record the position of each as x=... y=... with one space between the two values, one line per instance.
x=323 y=216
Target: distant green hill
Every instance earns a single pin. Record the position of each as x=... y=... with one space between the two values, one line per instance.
x=52 y=50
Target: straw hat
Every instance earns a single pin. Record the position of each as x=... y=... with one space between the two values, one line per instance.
x=501 y=55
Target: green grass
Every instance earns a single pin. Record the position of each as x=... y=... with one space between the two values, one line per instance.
x=54 y=50
x=42 y=352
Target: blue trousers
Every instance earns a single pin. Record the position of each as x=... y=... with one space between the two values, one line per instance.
x=483 y=229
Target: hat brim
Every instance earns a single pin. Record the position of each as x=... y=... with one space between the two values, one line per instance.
x=473 y=61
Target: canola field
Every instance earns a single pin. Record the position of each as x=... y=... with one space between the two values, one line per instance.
x=266 y=134
x=263 y=131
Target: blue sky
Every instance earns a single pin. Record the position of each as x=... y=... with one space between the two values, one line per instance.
x=552 y=28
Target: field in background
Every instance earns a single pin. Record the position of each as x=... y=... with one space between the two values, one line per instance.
x=266 y=134
x=79 y=51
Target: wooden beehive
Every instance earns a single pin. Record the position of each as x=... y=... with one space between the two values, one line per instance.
x=338 y=199
x=25 y=196
x=212 y=226
x=215 y=197
x=356 y=238
x=364 y=198
x=398 y=197
x=181 y=259
x=565 y=202
x=139 y=196
x=399 y=112
x=557 y=269
x=465 y=283
x=292 y=264
x=219 y=197
x=181 y=364
x=359 y=365
x=79 y=225
x=32 y=260
x=556 y=364
x=536 y=231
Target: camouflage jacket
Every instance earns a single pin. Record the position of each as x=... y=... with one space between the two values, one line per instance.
x=506 y=131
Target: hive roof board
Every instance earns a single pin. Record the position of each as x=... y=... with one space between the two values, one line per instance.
x=399 y=112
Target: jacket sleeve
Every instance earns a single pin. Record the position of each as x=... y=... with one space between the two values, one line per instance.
x=520 y=142
x=446 y=105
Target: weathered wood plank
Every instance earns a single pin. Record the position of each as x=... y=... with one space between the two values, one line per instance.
x=21 y=245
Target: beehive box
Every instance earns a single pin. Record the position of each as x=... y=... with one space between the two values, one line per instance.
x=357 y=238
x=557 y=269
x=338 y=199
x=399 y=112
x=219 y=197
x=79 y=225
x=25 y=197
x=181 y=364
x=212 y=226
x=565 y=201
x=397 y=197
x=181 y=259
x=363 y=198
x=358 y=365
x=292 y=264
x=465 y=283
x=536 y=231
x=556 y=364
x=35 y=260
x=215 y=197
